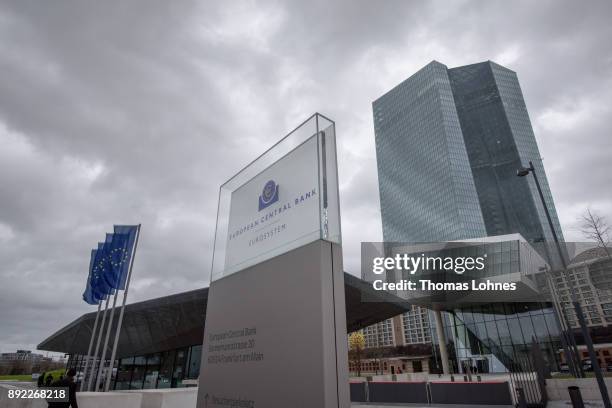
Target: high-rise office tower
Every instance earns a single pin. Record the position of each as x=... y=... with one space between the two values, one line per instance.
x=427 y=190
x=499 y=139
x=448 y=144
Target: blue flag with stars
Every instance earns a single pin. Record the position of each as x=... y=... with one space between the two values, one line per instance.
x=100 y=271
x=97 y=289
x=110 y=263
x=88 y=295
x=121 y=253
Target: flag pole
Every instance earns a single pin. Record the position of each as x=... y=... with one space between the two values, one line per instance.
x=97 y=346
x=120 y=321
x=93 y=334
x=108 y=330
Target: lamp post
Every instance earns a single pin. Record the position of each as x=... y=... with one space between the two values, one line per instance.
x=522 y=172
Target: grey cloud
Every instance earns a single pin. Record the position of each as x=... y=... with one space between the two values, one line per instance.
x=137 y=112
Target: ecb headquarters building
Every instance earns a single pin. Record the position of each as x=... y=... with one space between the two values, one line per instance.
x=448 y=145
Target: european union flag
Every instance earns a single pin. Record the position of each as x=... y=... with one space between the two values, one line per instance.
x=104 y=262
x=88 y=295
x=96 y=288
x=109 y=264
x=100 y=271
x=120 y=254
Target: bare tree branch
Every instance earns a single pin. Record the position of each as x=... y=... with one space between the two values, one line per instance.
x=595 y=227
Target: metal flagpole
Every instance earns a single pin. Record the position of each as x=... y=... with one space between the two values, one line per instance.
x=120 y=321
x=95 y=356
x=93 y=334
x=108 y=330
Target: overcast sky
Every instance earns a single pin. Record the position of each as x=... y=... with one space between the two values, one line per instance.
x=136 y=112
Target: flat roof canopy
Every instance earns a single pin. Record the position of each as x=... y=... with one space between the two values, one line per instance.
x=177 y=321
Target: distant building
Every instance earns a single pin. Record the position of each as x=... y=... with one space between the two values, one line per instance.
x=407 y=364
x=386 y=351
x=21 y=355
x=589 y=277
x=412 y=327
x=603 y=351
x=380 y=335
x=25 y=362
x=416 y=326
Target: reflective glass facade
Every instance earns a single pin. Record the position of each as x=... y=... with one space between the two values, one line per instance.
x=160 y=370
x=427 y=190
x=496 y=337
x=167 y=369
x=448 y=144
x=499 y=140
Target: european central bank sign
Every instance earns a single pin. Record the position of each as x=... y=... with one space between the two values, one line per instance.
x=275 y=210
x=275 y=331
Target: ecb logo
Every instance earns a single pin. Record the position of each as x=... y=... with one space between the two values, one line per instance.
x=269 y=195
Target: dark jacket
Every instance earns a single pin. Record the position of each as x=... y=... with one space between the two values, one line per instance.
x=71 y=385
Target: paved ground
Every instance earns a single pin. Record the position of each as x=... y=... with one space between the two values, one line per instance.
x=568 y=404
x=551 y=404
x=358 y=405
x=22 y=384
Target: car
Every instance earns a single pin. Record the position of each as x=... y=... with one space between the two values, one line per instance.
x=564 y=368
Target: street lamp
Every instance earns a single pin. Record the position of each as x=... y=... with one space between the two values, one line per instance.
x=522 y=172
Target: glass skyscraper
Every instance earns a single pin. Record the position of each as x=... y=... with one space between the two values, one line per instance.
x=448 y=144
x=499 y=139
x=427 y=191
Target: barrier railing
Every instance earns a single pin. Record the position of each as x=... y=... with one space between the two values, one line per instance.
x=438 y=392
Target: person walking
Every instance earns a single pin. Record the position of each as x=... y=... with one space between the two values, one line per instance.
x=41 y=380
x=68 y=383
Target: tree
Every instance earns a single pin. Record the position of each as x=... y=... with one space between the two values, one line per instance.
x=356 y=346
x=595 y=227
